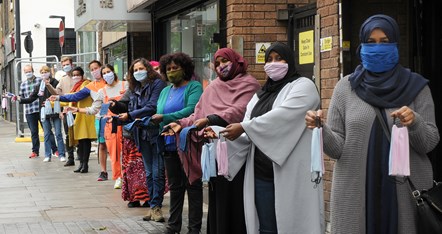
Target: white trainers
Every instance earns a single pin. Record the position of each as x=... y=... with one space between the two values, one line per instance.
x=47 y=159
x=62 y=159
x=118 y=183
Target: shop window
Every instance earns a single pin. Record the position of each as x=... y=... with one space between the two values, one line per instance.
x=192 y=32
x=116 y=55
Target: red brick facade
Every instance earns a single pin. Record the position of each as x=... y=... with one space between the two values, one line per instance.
x=256 y=21
x=330 y=71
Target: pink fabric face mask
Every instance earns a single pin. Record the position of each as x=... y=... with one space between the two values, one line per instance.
x=399 y=163
x=276 y=70
x=221 y=158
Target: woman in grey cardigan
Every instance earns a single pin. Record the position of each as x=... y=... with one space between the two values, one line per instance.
x=365 y=199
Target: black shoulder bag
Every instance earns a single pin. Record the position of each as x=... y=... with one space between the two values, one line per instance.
x=428 y=202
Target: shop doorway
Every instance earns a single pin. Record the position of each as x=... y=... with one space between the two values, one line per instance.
x=427 y=60
x=304 y=39
x=420 y=46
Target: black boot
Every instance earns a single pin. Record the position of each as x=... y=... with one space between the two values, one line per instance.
x=80 y=168
x=85 y=161
x=85 y=168
x=70 y=161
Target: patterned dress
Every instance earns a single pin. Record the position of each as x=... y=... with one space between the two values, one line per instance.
x=134 y=176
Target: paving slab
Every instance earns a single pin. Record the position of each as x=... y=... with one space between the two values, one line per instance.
x=38 y=197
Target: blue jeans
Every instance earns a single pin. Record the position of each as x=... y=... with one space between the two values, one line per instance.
x=154 y=167
x=33 y=120
x=49 y=136
x=265 y=206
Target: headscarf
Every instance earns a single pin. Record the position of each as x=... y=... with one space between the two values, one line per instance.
x=270 y=90
x=154 y=63
x=239 y=64
x=394 y=88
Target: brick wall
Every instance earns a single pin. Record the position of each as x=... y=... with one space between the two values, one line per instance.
x=330 y=71
x=255 y=21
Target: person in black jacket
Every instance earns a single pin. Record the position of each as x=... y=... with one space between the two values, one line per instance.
x=42 y=93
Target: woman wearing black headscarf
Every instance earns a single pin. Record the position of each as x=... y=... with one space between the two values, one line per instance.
x=277 y=186
x=364 y=198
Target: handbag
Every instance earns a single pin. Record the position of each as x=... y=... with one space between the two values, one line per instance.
x=429 y=208
x=428 y=202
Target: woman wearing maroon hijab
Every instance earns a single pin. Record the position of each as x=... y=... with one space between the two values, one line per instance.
x=223 y=102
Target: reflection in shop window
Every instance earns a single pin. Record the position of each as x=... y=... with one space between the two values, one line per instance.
x=191 y=32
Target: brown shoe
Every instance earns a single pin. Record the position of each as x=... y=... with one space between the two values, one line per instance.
x=157 y=214
x=147 y=216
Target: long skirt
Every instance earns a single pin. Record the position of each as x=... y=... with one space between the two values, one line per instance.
x=134 y=176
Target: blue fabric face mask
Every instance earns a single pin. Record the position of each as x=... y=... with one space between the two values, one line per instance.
x=140 y=75
x=379 y=57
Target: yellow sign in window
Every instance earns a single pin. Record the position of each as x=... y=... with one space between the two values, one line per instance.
x=306 y=47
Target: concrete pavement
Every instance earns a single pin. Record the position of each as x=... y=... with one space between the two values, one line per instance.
x=38 y=197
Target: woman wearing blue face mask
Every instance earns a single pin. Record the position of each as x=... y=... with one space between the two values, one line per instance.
x=365 y=199
x=277 y=177
x=140 y=101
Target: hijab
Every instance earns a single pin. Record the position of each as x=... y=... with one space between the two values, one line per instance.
x=239 y=64
x=270 y=90
x=394 y=88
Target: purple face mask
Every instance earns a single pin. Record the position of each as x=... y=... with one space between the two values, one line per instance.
x=223 y=71
x=277 y=70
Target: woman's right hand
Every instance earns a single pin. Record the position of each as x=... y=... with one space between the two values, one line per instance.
x=112 y=103
x=209 y=133
x=310 y=118
x=172 y=128
x=54 y=98
x=71 y=109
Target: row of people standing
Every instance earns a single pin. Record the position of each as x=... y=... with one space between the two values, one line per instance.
x=258 y=197
x=271 y=192
x=279 y=196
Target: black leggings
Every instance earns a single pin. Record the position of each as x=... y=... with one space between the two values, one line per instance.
x=84 y=150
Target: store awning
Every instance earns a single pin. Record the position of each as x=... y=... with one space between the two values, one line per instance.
x=138 y=5
x=109 y=16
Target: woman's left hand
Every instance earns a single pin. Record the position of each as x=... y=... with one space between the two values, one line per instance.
x=232 y=131
x=405 y=115
x=209 y=133
x=201 y=123
x=157 y=118
x=123 y=116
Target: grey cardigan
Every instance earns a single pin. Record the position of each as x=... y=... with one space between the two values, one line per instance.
x=346 y=136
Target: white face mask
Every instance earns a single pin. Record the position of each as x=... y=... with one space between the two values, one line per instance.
x=29 y=75
x=67 y=68
x=109 y=77
x=96 y=74
x=76 y=78
x=45 y=75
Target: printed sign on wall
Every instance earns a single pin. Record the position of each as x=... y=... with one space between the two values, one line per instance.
x=260 y=52
x=306 y=47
